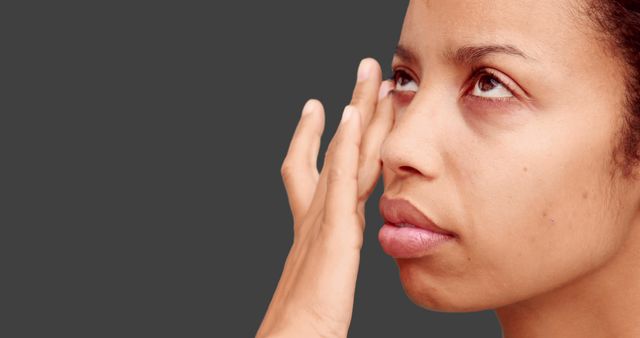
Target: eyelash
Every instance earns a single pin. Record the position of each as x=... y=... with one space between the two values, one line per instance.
x=477 y=73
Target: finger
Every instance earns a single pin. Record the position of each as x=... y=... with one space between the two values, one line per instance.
x=364 y=99
x=365 y=93
x=342 y=177
x=318 y=203
x=299 y=168
x=369 y=164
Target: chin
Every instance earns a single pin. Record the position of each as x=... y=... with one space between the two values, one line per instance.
x=438 y=292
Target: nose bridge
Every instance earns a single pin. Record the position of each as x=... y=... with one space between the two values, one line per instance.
x=413 y=144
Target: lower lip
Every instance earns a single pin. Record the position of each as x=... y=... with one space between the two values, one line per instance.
x=409 y=242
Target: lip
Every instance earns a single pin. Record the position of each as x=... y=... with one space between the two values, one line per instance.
x=409 y=242
x=400 y=210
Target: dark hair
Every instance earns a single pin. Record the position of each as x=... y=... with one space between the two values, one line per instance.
x=619 y=21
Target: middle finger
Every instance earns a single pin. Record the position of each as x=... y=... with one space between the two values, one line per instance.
x=364 y=99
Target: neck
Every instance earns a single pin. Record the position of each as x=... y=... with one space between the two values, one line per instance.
x=603 y=303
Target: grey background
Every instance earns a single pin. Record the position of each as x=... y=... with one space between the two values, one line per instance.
x=143 y=143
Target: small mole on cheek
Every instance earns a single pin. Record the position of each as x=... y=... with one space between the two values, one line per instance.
x=524 y=169
x=585 y=195
x=545 y=214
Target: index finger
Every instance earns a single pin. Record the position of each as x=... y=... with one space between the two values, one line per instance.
x=365 y=93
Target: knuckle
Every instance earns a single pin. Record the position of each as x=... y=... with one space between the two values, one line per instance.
x=340 y=138
x=357 y=142
x=357 y=96
x=350 y=145
x=329 y=151
x=368 y=150
x=316 y=132
x=286 y=169
x=364 y=158
x=363 y=95
x=335 y=175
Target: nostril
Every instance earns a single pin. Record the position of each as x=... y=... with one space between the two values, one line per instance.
x=409 y=169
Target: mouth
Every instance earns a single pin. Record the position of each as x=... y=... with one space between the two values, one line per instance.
x=408 y=232
x=402 y=213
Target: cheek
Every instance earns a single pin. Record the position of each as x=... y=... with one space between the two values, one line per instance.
x=539 y=215
x=533 y=208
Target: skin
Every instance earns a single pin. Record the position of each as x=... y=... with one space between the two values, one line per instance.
x=548 y=234
x=314 y=296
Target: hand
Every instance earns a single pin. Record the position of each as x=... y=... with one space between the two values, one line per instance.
x=314 y=297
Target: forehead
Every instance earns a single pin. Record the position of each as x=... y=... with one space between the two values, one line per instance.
x=539 y=27
x=569 y=60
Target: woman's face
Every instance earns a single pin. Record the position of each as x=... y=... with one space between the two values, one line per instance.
x=514 y=158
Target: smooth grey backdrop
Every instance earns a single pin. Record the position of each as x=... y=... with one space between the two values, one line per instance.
x=143 y=195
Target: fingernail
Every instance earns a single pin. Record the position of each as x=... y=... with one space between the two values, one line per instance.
x=308 y=107
x=346 y=114
x=385 y=88
x=364 y=69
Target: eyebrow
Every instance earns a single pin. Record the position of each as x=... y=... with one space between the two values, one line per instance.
x=468 y=54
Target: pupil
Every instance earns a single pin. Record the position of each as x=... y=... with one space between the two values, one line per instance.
x=401 y=79
x=487 y=85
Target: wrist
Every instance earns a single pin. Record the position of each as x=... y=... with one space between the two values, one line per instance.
x=298 y=331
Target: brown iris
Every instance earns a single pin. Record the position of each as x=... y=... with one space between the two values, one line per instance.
x=487 y=83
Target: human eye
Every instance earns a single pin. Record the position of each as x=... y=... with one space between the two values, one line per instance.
x=404 y=82
x=488 y=85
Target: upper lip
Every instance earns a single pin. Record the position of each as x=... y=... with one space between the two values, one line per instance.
x=399 y=210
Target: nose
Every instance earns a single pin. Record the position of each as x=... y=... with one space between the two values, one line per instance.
x=412 y=147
